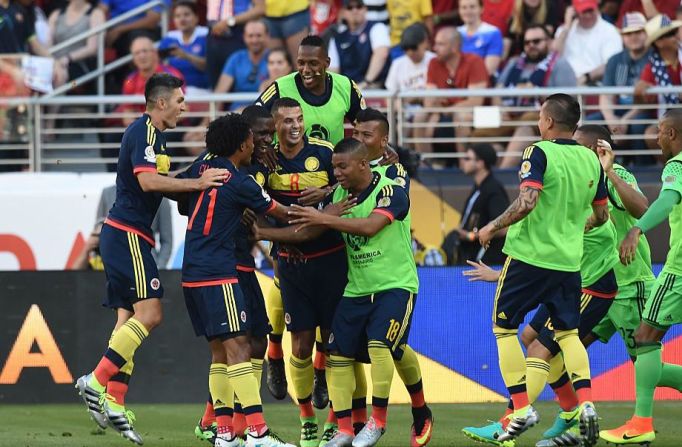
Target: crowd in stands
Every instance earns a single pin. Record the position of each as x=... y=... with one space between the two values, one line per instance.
x=243 y=45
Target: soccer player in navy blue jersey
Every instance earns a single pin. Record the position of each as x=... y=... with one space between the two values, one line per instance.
x=133 y=286
x=213 y=294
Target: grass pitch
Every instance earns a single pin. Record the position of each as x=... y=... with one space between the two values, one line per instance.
x=173 y=425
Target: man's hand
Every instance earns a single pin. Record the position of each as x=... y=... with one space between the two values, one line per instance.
x=178 y=52
x=312 y=195
x=481 y=272
x=569 y=16
x=248 y=218
x=305 y=217
x=618 y=128
x=486 y=234
x=390 y=157
x=340 y=208
x=293 y=254
x=212 y=177
x=606 y=155
x=267 y=156
x=628 y=248
x=220 y=28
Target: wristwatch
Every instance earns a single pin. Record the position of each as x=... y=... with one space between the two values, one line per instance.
x=231 y=21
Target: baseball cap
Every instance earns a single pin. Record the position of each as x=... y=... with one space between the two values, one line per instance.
x=632 y=22
x=584 y=5
x=413 y=35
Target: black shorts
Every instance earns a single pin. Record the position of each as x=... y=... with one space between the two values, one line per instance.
x=312 y=290
x=217 y=311
x=385 y=317
x=132 y=274
x=595 y=302
x=255 y=303
x=523 y=287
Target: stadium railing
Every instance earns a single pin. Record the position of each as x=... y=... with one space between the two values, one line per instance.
x=71 y=139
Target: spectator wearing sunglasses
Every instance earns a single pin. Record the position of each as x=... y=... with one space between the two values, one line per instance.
x=246 y=69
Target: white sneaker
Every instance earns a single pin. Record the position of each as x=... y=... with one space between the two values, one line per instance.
x=91 y=398
x=224 y=440
x=269 y=439
x=121 y=421
x=369 y=435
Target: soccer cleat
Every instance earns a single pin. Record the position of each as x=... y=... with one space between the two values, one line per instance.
x=268 y=439
x=570 y=438
x=357 y=427
x=120 y=420
x=369 y=435
x=519 y=422
x=328 y=433
x=637 y=430
x=320 y=396
x=589 y=424
x=276 y=378
x=224 y=440
x=208 y=433
x=421 y=427
x=309 y=434
x=91 y=398
x=340 y=439
x=488 y=434
x=564 y=421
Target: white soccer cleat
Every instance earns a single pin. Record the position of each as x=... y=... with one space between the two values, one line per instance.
x=519 y=422
x=91 y=398
x=121 y=421
x=224 y=440
x=369 y=435
x=269 y=439
x=340 y=440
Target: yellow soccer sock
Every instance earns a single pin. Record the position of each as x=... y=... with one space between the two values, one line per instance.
x=512 y=365
x=382 y=376
x=257 y=367
x=301 y=373
x=275 y=309
x=537 y=371
x=556 y=368
x=408 y=366
x=341 y=372
x=244 y=383
x=128 y=338
x=577 y=362
x=360 y=381
x=220 y=388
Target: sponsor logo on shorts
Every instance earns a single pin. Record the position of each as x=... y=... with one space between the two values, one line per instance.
x=331 y=338
x=243 y=316
x=287 y=318
x=155 y=283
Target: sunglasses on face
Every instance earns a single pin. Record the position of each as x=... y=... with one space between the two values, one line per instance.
x=533 y=41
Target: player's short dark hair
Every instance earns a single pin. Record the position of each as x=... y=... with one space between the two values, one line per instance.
x=369 y=114
x=597 y=131
x=674 y=115
x=254 y=113
x=564 y=110
x=160 y=85
x=226 y=134
x=539 y=26
x=486 y=153
x=192 y=6
x=312 y=40
x=281 y=103
x=350 y=146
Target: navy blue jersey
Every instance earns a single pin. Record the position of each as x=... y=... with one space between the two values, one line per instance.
x=215 y=216
x=243 y=245
x=311 y=167
x=143 y=149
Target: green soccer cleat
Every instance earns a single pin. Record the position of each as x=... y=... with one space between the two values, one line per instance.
x=206 y=433
x=120 y=419
x=309 y=434
x=488 y=434
x=637 y=430
x=564 y=421
x=328 y=433
x=570 y=438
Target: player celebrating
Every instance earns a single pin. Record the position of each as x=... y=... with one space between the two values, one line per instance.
x=664 y=306
x=214 y=298
x=560 y=182
x=381 y=290
x=126 y=242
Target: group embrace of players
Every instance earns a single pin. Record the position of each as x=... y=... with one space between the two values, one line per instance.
x=337 y=211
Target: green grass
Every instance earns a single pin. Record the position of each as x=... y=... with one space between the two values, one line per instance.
x=173 y=425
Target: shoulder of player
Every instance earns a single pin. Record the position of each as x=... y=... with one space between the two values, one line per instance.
x=534 y=149
x=323 y=145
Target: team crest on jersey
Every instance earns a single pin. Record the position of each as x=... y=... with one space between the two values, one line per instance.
x=400 y=181
x=149 y=154
x=155 y=283
x=384 y=202
x=319 y=131
x=355 y=242
x=260 y=178
x=243 y=316
x=311 y=164
x=287 y=318
x=524 y=172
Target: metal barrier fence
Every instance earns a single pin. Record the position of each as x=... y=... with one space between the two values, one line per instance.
x=71 y=133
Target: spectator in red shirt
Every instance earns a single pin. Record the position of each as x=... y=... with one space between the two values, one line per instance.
x=663 y=69
x=450 y=69
x=498 y=13
x=650 y=8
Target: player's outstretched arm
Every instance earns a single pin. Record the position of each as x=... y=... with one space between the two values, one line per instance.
x=481 y=272
x=153 y=182
x=519 y=208
x=303 y=217
x=633 y=200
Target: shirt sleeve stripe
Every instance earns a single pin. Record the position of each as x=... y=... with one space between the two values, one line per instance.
x=532 y=184
x=272 y=206
x=603 y=201
x=139 y=169
x=386 y=213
